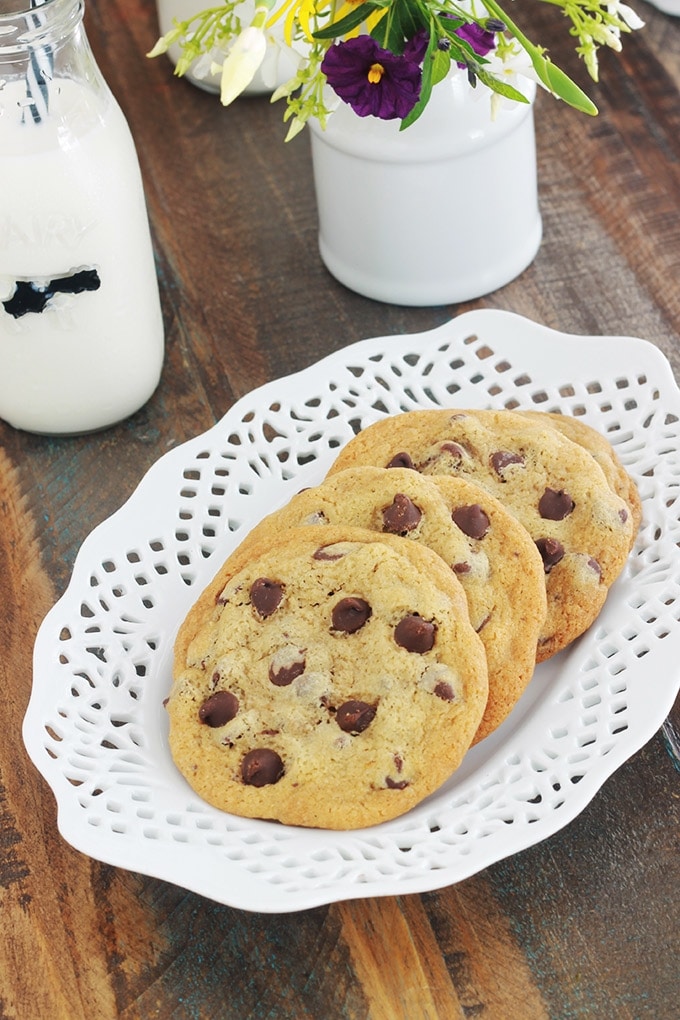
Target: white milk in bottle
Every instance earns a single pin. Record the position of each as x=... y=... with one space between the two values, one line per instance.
x=81 y=334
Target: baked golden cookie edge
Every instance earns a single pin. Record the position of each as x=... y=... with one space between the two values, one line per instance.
x=427 y=699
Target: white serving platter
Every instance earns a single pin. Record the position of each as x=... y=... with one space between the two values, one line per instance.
x=96 y=727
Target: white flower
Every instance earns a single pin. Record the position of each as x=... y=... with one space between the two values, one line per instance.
x=511 y=65
x=161 y=46
x=206 y=65
x=608 y=37
x=243 y=60
x=514 y=66
x=626 y=13
x=269 y=72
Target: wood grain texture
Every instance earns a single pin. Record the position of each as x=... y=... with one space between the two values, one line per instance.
x=397 y=960
x=582 y=925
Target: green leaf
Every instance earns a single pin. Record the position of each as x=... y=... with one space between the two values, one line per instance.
x=387 y=33
x=503 y=88
x=399 y=24
x=350 y=21
x=560 y=84
x=462 y=54
x=407 y=17
x=425 y=88
x=441 y=65
x=448 y=23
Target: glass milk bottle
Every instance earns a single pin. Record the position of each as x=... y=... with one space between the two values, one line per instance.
x=81 y=332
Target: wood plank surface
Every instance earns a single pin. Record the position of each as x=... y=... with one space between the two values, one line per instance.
x=582 y=925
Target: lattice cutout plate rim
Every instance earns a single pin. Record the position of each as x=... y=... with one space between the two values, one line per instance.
x=95 y=726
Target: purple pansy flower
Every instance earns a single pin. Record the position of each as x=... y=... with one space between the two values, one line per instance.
x=481 y=40
x=416 y=48
x=373 y=81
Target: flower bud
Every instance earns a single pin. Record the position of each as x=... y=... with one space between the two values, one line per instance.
x=242 y=61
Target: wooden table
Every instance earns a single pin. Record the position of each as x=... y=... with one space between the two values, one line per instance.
x=585 y=924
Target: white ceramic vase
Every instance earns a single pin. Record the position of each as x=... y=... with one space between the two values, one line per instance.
x=439 y=213
x=671 y=7
x=279 y=64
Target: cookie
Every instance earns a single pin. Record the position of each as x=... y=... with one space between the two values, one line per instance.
x=603 y=452
x=492 y=555
x=333 y=680
x=552 y=485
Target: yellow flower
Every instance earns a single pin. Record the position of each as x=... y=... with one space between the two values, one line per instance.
x=296 y=11
x=302 y=13
x=370 y=23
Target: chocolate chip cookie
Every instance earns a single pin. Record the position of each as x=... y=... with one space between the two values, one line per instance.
x=334 y=680
x=582 y=528
x=492 y=555
x=605 y=455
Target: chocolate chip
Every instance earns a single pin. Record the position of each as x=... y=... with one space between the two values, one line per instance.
x=471 y=520
x=595 y=566
x=454 y=449
x=623 y=515
x=415 y=634
x=350 y=614
x=396 y=784
x=444 y=691
x=555 y=504
x=502 y=459
x=461 y=568
x=266 y=595
x=402 y=460
x=401 y=516
x=355 y=716
x=261 y=767
x=551 y=552
x=283 y=672
x=219 y=709
x=325 y=552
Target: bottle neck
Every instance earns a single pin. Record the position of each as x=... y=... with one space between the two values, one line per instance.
x=26 y=25
x=43 y=49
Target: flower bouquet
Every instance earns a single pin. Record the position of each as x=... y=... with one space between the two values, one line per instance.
x=448 y=210
x=384 y=57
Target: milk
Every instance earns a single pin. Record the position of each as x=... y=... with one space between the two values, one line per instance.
x=71 y=200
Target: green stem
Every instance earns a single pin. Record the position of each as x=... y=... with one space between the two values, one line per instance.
x=552 y=77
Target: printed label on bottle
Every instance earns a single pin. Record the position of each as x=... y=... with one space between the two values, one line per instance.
x=55 y=230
